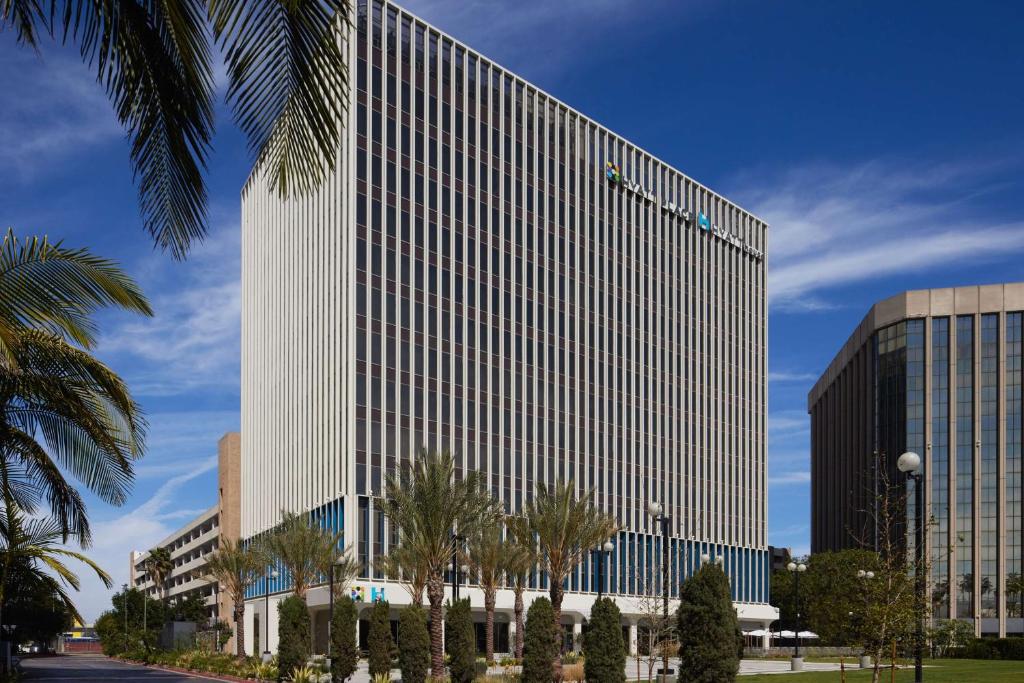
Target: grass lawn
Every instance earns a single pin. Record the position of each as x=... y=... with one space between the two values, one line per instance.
x=935 y=671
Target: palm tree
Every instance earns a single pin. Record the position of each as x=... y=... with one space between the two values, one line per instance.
x=401 y=563
x=306 y=552
x=159 y=566
x=522 y=557
x=488 y=561
x=426 y=505
x=565 y=527
x=286 y=84
x=235 y=568
x=31 y=555
x=61 y=410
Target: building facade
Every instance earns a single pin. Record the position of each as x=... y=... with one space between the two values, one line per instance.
x=488 y=271
x=193 y=541
x=937 y=372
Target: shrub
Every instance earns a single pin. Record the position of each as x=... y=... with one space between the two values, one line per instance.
x=575 y=672
x=263 y=671
x=707 y=628
x=379 y=641
x=304 y=674
x=540 y=643
x=294 y=643
x=989 y=648
x=413 y=645
x=603 y=649
x=461 y=642
x=344 y=643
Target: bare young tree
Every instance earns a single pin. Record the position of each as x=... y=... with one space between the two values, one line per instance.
x=892 y=607
x=655 y=634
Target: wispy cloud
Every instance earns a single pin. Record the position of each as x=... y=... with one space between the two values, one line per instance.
x=193 y=341
x=531 y=36
x=786 y=376
x=140 y=529
x=834 y=226
x=784 y=424
x=784 y=478
x=52 y=117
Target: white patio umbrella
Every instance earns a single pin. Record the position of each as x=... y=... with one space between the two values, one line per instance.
x=787 y=634
x=808 y=634
x=757 y=633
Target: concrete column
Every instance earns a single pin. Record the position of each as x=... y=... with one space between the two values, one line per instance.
x=248 y=620
x=766 y=639
x=632 y=637
x=577 y=631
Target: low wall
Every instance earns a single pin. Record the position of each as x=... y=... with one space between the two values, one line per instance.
x=813 y=651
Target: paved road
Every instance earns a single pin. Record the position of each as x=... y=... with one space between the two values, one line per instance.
x=68 y=668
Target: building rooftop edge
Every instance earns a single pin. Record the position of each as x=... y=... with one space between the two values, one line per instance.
x=558 y=101
x=919 y=303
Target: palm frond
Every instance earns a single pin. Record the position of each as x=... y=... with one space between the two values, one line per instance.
x=287 y=83
x=153 y=59
x=26 y=16
x=49 y=287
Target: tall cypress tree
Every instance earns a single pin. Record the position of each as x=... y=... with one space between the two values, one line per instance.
x=295 y=635
x=413 y=645
x=379 y=642
x=707 y=627
x=603 y=648
x=540 y=643
x=344 y=640
x=461 y=642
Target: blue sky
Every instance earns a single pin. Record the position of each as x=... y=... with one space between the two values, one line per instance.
x=882 y=142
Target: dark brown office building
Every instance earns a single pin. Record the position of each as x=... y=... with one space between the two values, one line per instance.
x=937 y=372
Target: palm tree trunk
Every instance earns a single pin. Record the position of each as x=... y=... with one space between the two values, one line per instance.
x=435 y=594
x=519 y=622
x=556 y=592
x=240 y=629
x=489 y=600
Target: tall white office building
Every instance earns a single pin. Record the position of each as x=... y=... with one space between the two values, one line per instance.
x=491 y=272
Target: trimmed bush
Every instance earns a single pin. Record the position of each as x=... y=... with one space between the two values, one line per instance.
x=989 y=648
x=379 y=641
x=344 y=642
x=707 y=628
x=604 y=651
x=458 y=626
x=540 y=643
x=413 y=645
x=295 y=640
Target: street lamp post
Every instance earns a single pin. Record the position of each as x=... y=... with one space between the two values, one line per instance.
x=909 y=464
x=124 y=592
x=864 y=576
x=656 y=511
x=797 y=569
x=602 y=555
x=271 y=576
x=456 y=539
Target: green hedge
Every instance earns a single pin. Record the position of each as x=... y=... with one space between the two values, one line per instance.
x=990 y=648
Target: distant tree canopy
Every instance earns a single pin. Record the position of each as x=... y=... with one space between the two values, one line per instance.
x=831 y=595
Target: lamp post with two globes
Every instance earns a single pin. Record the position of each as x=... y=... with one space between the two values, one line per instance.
x=603 y=553
x=797 y=663
x=865 y=576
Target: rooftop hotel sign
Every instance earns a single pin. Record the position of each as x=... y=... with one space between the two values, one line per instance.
x=612 y=173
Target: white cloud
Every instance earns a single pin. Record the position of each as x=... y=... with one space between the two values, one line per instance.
x=786 y=376
x=52 y=108
x=784 y=424
x=784 y=478
x=834 y=226
x=193 y=341
x=139 y=529
x=535 y=38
